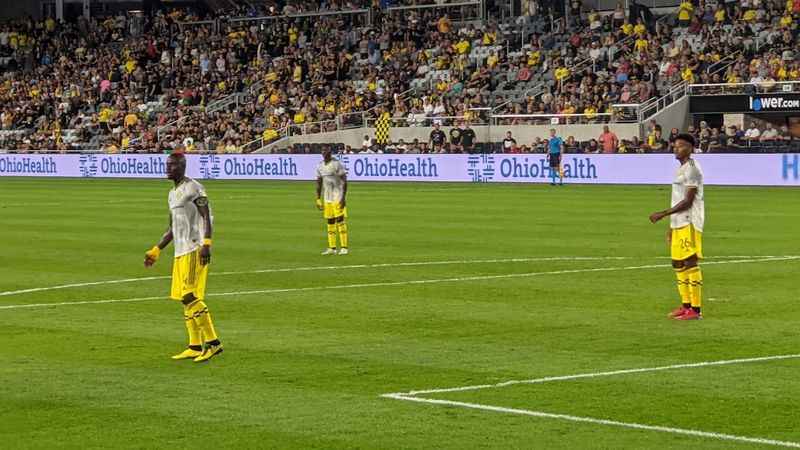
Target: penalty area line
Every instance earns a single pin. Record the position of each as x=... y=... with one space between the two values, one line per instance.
x=415 y=396
x=405 y=283
x=596 y=421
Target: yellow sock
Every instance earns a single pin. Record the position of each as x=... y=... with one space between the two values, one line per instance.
x=202 y=318
x=683 y=285
x=331 y=235
x=191 y=328
x=696 y=286
x=342 y=234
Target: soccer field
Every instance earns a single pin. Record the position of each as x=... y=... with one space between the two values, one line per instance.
x=447 y=286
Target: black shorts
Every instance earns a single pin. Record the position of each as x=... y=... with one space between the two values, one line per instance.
x=555 y=159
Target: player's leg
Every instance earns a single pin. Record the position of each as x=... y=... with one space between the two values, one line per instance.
x=341 y=226
x=198 y=310
x=180 y=268
x=329 y=213
x=695 y=283
x=690 y=243
x=683 y=288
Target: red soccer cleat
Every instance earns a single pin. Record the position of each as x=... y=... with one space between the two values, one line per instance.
x=690 y=315
x=677 y=312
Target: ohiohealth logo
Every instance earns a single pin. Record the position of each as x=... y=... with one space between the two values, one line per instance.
x=209 y=166
x=88 y=165
x=480 y=168
x=758 y=104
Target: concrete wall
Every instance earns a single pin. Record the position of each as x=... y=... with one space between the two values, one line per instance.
x=675 y=115
x=524 y=134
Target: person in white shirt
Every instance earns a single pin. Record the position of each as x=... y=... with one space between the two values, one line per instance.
x=332 y=181
x=770 y=134
x=685 y=235
x=752 y=133
x=190 y=227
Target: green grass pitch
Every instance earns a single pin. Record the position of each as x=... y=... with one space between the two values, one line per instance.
x=306 y=368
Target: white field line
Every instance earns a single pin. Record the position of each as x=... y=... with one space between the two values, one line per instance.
x=413 y=396
x=405 y=283
x=595 y=375
x=312 y=268
x=591 y=420
x=360 y=266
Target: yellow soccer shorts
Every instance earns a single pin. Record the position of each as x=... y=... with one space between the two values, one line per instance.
x=189 y=276
x=333 y=210
x=686 y=241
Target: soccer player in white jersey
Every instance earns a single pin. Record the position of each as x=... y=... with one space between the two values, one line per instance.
x=685 y=235
x=190 y=230
x=332 y=182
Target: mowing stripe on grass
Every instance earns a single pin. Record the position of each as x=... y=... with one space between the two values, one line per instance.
x=591 y=420
x=403 y=283
x=354 y=266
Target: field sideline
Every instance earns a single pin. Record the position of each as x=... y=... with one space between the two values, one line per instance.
x=447 y=286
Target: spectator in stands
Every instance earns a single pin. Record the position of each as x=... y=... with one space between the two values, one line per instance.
x=608 y=140
x=509 y=143
x=770 y=134
x=591 y=147
x=571 y=145
x=467 y=139
x=717 y=142
x=752 y=133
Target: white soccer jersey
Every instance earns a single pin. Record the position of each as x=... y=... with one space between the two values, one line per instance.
x=332 y=175
x=188 y=228
x=688 y=175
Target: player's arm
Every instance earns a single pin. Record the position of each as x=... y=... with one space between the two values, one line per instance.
x=205 y=214
x=319 y=193
x=683 y=205
x=344 y=190
x=151 y=256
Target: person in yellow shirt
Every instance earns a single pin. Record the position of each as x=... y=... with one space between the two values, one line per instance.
x=492 y=60
x=444 y=25
x=641 y=44
x=534 y=58
x=639 y=28
x=130 y=66
x=749 y=15
x=489 y=37
x=786 y=20
x=561 y=73
x=126 y=141
x=299 y=117
x=297 y=73
x=462 y=47
x=627 y=28
x=131 y=120
x=50 y=24
x=719 y=14
x=685 y=13
x=590 y=111
x=268 y=135
x=687 y=75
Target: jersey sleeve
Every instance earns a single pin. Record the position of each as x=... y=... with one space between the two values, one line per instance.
x=340 y=169
x=197 y=191
x=319 y=172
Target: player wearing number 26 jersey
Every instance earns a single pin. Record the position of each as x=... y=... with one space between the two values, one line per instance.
x=685 y=235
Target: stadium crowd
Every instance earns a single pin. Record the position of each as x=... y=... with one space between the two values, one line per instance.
x=154 y=88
